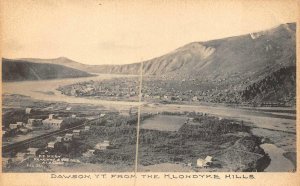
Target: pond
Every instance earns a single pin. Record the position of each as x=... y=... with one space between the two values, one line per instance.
x=164 y=122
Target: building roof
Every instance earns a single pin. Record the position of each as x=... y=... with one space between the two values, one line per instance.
x=24 y=129
x=14 y=125
x=32 y=119
x=69 y=135
x=21 y=154
x=102 y=144
x=31 y=149
x=56 y=121
x=52 y=142
x=208 y=159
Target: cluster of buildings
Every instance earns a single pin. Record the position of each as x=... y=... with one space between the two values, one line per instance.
x=54 y=150
x=65 y=143
x=24 y=128
x=182 y=91
x=99 y=146
x=20 y=127
x=107 y=88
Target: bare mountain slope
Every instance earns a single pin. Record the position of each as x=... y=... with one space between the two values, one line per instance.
x=18 y=70
x=240 y=56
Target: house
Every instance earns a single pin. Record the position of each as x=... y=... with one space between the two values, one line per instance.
x=76 y=133
x=204 y=162
x=59 y=139
x=24 y=130
x=55 y=123
x=4 y=133
x=73 y=116
x=87 y=128
x=208 y=159
x=89 y=153
x=68 y=137
x=102 y=146
x=51 y=122
x=20 y=156
x=27 y=110
x=200 y=162
x=166 y=97
x=35 y=122
x=133 y=111
x=65 y=159
x=51 y=116
x=15 y=125
x=32 y=151
x=68 y=108
x=52 y=145
x=102 y=115
x=48 y=108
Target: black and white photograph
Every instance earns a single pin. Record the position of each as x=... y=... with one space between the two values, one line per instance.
x=149 y=86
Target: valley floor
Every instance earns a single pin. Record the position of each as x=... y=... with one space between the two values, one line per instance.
x=272 y=125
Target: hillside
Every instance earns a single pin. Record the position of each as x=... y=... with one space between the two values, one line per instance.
x=233 y=58
x=65 y=62
x=255 y=68
x=18 y=70
x=238 y=57
x=278 y=87
x=105 y=69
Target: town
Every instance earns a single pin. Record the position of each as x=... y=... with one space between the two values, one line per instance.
x=67 y=138
x=185 y=91
x=115 y=89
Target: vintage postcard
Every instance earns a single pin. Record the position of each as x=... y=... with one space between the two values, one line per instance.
x=189 y=92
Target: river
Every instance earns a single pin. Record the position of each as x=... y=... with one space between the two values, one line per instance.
x=40 y=90
x=278 y=162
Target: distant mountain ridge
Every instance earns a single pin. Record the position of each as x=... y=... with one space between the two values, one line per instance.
x=19 y=70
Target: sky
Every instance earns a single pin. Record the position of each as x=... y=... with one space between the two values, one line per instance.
x=128 y=31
